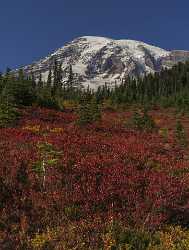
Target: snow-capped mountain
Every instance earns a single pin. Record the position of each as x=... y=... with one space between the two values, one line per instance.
x=98 y=60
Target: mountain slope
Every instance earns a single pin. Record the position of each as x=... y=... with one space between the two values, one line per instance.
x=98 y=60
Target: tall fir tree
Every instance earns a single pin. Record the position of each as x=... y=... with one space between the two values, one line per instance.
x=33 y=81
x=59 y=75
x=55 y=72
x=40 y=82
x=70 y=77
x=49 y=79
x=57 y=78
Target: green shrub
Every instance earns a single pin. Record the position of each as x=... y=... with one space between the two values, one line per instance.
x=89 y=112
x=47 y=102
x=8 y=115
x=180 y=134
x=141 y=121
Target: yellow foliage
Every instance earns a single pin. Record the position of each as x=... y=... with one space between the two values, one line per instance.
x=77 y=236
x=172 y=238
x=56 y=130
x=108 y=241
x=107 y=104
x=35 y=128
x=68 y=104
x=41 y=238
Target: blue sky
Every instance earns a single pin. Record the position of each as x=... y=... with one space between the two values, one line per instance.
x=31 y=29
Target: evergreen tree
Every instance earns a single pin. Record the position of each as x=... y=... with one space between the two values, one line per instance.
x=141 y=121
x=59 y=75
x=49 y=79
x=33 y=82
x=55 y=72
x=70 y=77
x=89 y=112
x=8 y=114
x=57 y=78
x=40 y=82
x=95 y=110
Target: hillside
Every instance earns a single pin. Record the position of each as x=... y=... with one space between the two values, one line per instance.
x=92 y=187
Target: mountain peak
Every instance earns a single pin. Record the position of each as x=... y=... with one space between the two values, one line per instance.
x=99 y=60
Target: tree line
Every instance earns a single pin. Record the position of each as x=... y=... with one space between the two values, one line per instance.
x=170 y=87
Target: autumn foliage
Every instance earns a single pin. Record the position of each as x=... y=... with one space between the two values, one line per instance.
x=63 y=185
